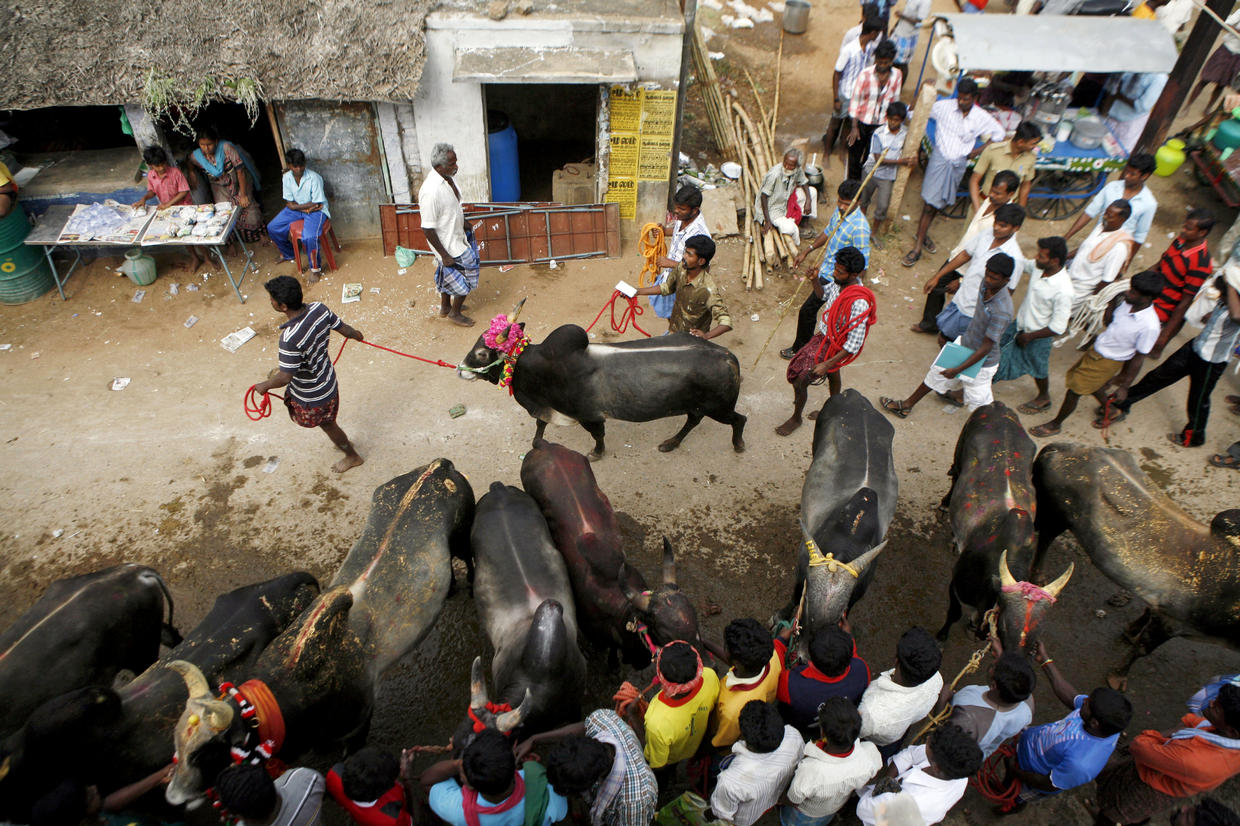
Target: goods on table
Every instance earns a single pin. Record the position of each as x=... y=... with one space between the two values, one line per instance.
x=109 y=222
x=200 y=224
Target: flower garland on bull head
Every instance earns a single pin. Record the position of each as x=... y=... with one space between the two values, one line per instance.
x=507 y=337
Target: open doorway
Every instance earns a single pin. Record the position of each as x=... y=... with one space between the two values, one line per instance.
x=233 y=124
x=555 y=125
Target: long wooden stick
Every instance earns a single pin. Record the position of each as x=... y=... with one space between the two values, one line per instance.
x=852 y=205
x=779 y=73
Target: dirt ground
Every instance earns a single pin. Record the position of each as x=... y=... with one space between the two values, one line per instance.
x=170 y=473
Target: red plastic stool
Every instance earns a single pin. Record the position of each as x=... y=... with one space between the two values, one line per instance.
x=325 y=249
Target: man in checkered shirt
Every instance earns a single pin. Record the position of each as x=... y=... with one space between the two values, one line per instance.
x=820 y=357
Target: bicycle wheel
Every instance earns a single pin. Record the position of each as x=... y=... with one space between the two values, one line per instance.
x=1059 y=194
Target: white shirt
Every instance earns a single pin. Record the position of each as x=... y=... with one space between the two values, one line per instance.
x=1128 y=333
x=1087 y=274
x=1143 y=208
x=441 y=211
x=934 y=797
x=955 y=134
x=753 y=782
x=888 y=708
x=981 y=221
x=1230 y=42
x=1048 y=303
x=913 y=8
x=1175 y=14
x=682 y=232
x=975 y=270
x=853 y=58
x=1003 y=724
x=824 y=782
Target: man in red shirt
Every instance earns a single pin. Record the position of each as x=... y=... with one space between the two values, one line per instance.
x=1186 y=266
x=1162 y=767
x=370 y=787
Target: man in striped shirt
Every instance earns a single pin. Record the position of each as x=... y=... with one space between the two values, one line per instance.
x=1186 y=266
x=305 y=367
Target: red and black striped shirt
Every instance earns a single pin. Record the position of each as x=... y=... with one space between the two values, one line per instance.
x=1185 y=269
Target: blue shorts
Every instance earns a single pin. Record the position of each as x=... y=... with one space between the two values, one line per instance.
x=951 y=322
x=792 y=816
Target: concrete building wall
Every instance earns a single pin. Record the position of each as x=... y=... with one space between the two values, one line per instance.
x=454 y=111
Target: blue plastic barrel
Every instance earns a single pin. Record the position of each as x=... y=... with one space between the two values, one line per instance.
x=505 y=167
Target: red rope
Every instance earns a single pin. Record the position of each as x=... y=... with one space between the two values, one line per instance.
x=257 y=409
x=840 y=322
x=989 y=783
x=629 y=316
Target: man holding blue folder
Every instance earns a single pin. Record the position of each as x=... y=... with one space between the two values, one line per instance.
x=970 y=362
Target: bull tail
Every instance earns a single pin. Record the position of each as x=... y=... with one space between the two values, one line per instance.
x=168 y=635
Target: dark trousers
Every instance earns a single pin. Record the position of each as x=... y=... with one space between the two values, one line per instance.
x=859 y=151
x=807 y=320
x=936 y=301
x=1202 y=376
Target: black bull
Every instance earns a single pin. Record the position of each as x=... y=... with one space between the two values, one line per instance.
x=567 y=379
x=1188 y=572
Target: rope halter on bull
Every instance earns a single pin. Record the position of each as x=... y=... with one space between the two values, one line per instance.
x=507 y=336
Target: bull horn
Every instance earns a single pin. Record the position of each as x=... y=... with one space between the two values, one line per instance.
x=639 y=599
x=509 y=720
x=1006 y=580
x=477 y=685
x=866 y=559
x=1055 y=587
x=811 y=547
x=516 y=311
x=669 y=563
x=194 y=681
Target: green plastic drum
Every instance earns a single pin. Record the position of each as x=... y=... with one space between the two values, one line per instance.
x=24 y=273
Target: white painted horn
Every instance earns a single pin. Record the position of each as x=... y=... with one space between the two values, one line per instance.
x=1005 y=576
x=509 y=720
x=194 y=680
x=1055 y=587
x=477 y=685
x=669 y=563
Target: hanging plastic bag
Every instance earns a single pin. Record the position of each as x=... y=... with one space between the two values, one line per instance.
x=405 y=257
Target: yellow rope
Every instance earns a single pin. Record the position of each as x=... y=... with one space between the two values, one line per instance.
x=818 y=559
x=653 y=246
x=974 y=663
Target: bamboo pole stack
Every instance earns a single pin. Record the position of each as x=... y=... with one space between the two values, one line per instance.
x=712 y=97
x=755 y=144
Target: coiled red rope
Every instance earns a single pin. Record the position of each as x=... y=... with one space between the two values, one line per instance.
x=989 y=783
x=258 y=408
x=840 y=322
x=629 y=316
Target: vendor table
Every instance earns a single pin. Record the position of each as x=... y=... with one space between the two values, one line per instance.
x=1067 y=177
x=215 y=245
x=1221 y=175
x=52 y=223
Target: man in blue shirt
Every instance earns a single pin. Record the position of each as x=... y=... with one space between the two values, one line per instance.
x=1067 y=753
x=1130 y=186
x=304 y=200
x=845 y=229
x=484 y=788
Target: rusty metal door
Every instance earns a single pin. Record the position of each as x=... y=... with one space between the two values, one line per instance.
x=517 y=233
x=341 y=142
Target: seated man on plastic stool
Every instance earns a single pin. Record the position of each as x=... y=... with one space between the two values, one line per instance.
x=304 y=200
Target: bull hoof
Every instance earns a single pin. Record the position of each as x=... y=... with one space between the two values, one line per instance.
x=595 y=455
x=739 y=445
x=1117 y=682
x=669 y=445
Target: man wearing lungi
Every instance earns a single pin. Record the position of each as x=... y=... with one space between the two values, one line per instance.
x=443 y=221
x=958 y=125
x=1025 y=349
x=313 y=397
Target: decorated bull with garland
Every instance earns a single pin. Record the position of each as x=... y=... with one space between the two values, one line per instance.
x=566 y=379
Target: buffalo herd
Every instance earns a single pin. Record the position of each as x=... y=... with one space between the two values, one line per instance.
x=287 y=666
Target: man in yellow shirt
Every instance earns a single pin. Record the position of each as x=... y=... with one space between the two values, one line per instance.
x=8 y=191
x=1015 y=154
x=754 y=676
x=679 y=714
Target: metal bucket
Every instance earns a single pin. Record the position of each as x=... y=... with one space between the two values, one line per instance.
x=796 y=16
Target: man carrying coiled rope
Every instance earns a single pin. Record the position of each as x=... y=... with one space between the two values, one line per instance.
x=848 y=310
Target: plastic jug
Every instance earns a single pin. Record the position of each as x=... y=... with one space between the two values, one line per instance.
x=140 y=268
x=1227 y=136
x=1169 y=157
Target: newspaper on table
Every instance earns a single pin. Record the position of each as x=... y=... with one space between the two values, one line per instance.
x=109 y=222
x=190 y=224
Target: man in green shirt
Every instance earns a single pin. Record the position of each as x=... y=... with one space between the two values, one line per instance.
x=699 y=309
x=1016 y=154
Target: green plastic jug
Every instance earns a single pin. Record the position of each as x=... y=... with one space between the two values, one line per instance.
x=1169 y=157
x=140 y=268
x=1227 y=136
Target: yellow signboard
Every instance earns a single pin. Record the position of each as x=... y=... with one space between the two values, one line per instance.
x=643 y=123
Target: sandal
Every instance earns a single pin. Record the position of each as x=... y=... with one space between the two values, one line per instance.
x=950 y=399
x=910 y=258
x=1225 y=460
x=896 y=407
x=1044 y=430
x=929 y=246
x=1117 y=416
x=1028 y=408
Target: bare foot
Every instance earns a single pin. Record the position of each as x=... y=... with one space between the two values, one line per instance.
x=460 y=320
x=787 y=427
x=349 y=461
x=813 y=415
x=1048 y=429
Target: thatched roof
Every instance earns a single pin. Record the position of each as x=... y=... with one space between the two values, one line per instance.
x=69 y=52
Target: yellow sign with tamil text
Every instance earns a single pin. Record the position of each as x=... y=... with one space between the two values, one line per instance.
x=643 y=123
